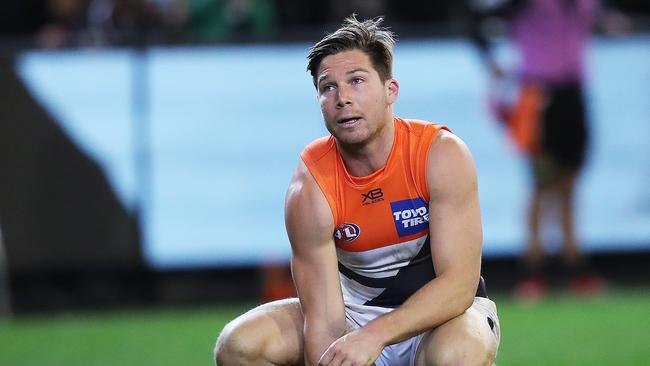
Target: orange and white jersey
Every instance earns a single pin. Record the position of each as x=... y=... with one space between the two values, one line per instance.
x=382 y=220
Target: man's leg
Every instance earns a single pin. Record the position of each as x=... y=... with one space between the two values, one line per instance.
x=534 y=253
x=468 y=339
x=582 y=280
x=570 y=252
x=271 y=334
x=531 y=284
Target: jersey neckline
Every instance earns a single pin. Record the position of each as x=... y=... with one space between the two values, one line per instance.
x=379 y=173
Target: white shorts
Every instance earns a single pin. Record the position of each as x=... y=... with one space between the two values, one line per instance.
x=403 y=353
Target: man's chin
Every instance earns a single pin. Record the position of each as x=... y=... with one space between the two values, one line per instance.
x=350 y=139
x=349 y=136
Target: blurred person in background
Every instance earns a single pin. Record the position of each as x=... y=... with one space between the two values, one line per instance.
x=385 y=229
x=89 y=23
x=547 y=121
x=40 y=23
x=228 y=20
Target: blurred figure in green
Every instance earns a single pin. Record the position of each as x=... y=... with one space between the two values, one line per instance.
x=224 y=20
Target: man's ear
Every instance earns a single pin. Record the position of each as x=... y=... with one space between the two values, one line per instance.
x=392 y=90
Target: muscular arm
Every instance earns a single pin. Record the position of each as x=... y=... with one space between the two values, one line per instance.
x=456 y=240
x=456 y=237
x=314 y=266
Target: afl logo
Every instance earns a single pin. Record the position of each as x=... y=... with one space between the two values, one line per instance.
x=347 y=232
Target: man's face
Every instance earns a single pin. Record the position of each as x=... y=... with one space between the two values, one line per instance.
x=355 y=103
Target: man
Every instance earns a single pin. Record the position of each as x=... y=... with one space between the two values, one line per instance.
x=384 y=223
x=549 y=122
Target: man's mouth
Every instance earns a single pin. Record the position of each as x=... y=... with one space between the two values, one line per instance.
x=348 y=122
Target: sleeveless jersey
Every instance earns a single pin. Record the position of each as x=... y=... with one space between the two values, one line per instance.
x=381 y=220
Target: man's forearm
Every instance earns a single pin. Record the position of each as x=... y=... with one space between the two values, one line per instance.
x=437 y=302
x=318 y=338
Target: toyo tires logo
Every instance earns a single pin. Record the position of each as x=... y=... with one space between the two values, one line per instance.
x=410 y=216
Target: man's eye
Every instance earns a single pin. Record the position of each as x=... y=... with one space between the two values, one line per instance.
x=357 y=81
x=328 y=87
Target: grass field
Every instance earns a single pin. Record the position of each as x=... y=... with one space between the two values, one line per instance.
x=562 y=330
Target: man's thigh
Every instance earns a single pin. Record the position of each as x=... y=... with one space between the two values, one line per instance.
x=471 y=338
x=272 y=332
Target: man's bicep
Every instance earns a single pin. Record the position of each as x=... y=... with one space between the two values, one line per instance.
x=314 y=265
x=454 y=212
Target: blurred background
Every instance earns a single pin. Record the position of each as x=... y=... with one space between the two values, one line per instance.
x=146 y=147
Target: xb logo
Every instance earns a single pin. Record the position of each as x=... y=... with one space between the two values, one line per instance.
x=373 y=196
x=347 y=232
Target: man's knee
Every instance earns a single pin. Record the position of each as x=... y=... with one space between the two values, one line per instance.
x=268 y=334
x=471 y=351
x=236 y=346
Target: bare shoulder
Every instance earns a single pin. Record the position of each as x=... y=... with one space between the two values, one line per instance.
x=447 y=145
x=302 y=184
x=450 y=166
x=307 y=212
x=304 y=192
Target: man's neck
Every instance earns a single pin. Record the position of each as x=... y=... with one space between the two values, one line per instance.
x=363 y=160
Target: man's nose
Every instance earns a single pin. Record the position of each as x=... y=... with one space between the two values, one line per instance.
x=343 y=97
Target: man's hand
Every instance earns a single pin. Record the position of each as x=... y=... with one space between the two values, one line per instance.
x=357 y=348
